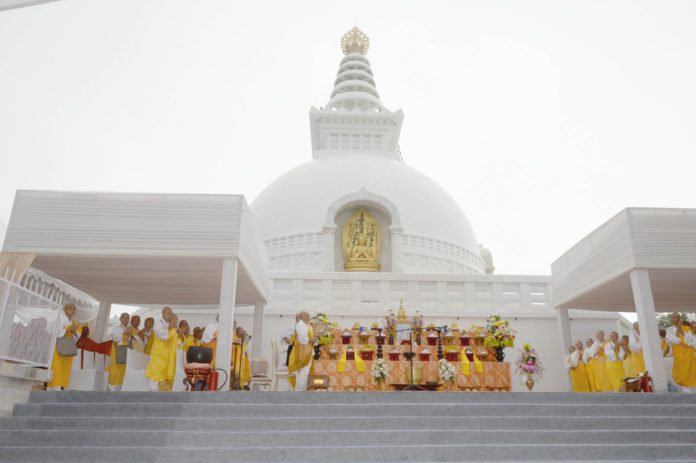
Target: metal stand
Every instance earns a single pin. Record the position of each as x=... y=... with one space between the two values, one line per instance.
x=409 y=356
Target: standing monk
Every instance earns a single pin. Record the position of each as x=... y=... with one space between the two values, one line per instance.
x=120 y=336
x=209 y=338
x=157 y=367
x=637 y=360
x=301 y=355
x=599 y=363
x=676 y=336
x=614 y=354
x=582 y=383
x=62 y=365
x=589 y=364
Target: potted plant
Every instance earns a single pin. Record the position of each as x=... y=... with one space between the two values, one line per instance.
x=380 y=373
x=529 y=366
x=499 y=335
x=447 y=373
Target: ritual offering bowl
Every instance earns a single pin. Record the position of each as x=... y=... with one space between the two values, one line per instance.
x=380 y=339
x=452 y=356
x=482 y=353
x=394 y=355
x=366 y=355
x=470 y=355
x=350 y=354
x=464 y=340
x=346 y=337
x=333 y=352
x=449 y=339
x=424 y=355
x=432 y=339
x=364 y=337
x=199 y=354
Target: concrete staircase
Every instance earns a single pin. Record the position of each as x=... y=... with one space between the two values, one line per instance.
x=340 y=427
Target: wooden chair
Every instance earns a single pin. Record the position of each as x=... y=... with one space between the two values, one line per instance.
x=280 y=371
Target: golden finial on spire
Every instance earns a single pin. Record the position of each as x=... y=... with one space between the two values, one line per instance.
x=354 y=41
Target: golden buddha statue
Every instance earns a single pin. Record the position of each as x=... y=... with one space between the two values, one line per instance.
x=361 y=243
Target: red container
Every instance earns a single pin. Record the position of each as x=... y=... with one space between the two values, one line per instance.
x=424 y=356
x=213 y=380
x=432 y=339
x=345 y=338
x=380 y=339
x=350 y=355
x=464 y=340
x=470 y=356
x=452 y=356
x=366 y=355
x=646 y=383
x=394 y=356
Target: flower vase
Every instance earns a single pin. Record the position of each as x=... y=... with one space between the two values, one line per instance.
x=500 y=354
x=317 y=352
x=529 y=382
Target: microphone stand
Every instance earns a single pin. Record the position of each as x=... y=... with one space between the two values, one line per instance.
x=411 y=386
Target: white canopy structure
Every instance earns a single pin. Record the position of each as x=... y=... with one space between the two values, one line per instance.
x=642 y=260
x=155 y=249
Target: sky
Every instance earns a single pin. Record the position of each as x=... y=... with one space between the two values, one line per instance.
x=541 y=118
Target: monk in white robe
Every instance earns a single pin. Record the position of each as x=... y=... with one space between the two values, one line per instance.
x=677 y=335
x=637 y=360
x=614 y=355
x=301 y=354
x=577 y=360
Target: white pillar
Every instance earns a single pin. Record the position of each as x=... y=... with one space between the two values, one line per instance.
x=257 y=340
x=649 y=335
x=566 y=338
x=102 y=322
x=329 y=248
x=228 y=287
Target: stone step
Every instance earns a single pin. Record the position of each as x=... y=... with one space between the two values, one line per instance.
x=493 y=452
x=178 y=410
x=337 y=423
x=360 y=397
x=288 y=439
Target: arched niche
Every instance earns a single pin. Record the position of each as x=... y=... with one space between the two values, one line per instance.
x=382 y=209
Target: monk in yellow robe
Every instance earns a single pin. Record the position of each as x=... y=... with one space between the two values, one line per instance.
x=157 y=370
x=690 y=339
x=634 y=344
x=301 y=354
x=120 y=336
x=241 y=366
x=589 y=365
x=62 y=365
x=614 y=354
x=186 y=339
x=147 y=333
x=582 y=382
x=569 y=367
x=628 y=359
x=599 y=363
x=677 y=335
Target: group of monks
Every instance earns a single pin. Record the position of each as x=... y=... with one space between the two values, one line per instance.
x=159 y=340
x=602 y=365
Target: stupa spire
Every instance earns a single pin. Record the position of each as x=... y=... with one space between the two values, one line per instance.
x=354 y=87
x=355 y=120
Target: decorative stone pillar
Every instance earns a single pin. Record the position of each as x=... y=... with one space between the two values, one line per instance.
x=329 y=246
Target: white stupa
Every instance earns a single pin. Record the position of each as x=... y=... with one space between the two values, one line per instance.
x=356 y=163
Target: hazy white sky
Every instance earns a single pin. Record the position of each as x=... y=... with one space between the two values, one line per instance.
x=541 y=118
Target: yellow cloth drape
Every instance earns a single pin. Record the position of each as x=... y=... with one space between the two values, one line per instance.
x=466 y=364
x=61 y=366
x=590 y=369
x=342 y=361
x=573 y=380
x=582 y=383
x=359 y=362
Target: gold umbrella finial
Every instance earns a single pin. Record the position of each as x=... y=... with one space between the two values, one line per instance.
x=355 y=41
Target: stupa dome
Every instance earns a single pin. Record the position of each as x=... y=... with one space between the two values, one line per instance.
x=356 y=163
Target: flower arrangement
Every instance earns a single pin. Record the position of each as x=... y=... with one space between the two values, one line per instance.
x=498 y=333
x=323 y=329
x=447 y=372
x=380 y=373
x=528 y=362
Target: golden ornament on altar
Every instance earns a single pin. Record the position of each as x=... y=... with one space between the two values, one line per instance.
x=401 y=315
x=361 y=243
